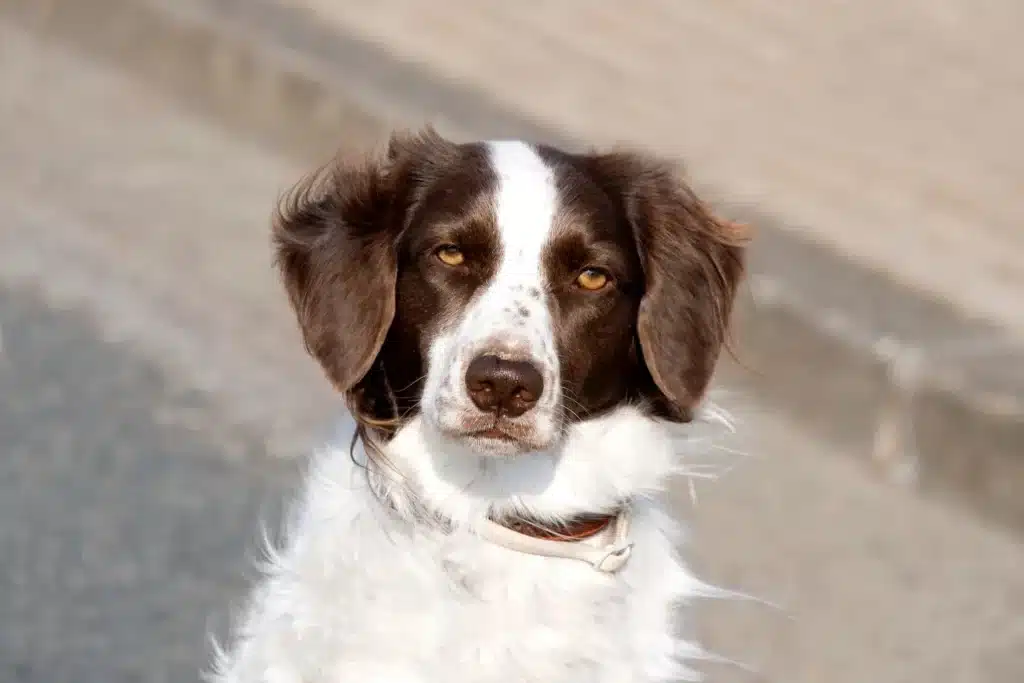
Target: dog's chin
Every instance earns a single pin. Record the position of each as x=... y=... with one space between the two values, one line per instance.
x=485 y=436
x=491 y=443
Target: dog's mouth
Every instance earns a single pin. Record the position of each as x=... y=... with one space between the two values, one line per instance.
x=498 y=440
x=492 y=433
x=498 y=436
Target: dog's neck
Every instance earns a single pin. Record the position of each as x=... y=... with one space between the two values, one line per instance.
x=596 y=469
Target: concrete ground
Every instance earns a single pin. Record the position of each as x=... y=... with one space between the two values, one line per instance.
x=153 y=387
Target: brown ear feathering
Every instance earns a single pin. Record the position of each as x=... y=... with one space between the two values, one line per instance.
x=334 y=238
x=693 y=263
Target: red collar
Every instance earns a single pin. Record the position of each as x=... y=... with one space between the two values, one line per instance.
x=575 y=529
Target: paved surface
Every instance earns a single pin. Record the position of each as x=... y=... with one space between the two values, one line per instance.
x=889 y=130
x=162 y=226
x=124 y=531
x=871 y=585
x=151 y=378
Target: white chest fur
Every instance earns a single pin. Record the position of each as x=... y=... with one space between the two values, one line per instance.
x=362 y=592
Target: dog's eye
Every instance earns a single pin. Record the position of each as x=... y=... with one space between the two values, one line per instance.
x=592 y=279
x=450 y=255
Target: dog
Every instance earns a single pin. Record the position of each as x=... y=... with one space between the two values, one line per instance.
x=524 y=337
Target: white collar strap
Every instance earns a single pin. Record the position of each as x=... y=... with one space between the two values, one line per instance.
x=606 y=552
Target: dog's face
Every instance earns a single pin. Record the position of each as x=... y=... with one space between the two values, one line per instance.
x=505 y=291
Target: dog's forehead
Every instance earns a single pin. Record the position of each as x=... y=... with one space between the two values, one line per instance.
x=545 y=202
x=448 y=188
x=525 y=202
x=530 y=203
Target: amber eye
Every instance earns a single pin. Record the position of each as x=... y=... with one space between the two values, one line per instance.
x=592 y=279
x=450 y=255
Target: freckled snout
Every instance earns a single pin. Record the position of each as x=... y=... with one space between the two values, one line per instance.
x=507 y=388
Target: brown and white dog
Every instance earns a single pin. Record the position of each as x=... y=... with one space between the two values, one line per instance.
x=524 y=337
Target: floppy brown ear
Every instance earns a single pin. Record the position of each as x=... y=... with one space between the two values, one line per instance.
x=334 y=237
x=693 y=263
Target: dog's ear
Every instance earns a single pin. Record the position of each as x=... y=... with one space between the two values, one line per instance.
x=335 y=236
x=693 y=263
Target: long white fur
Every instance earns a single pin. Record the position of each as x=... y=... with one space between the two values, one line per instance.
x=371 y=592
x=360 y=592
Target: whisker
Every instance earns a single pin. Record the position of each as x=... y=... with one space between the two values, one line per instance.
x=411 y=384
x=568 y=395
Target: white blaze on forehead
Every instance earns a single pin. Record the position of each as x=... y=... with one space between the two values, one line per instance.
x=526 y=200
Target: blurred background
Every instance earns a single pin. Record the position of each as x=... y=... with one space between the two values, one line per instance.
x=155 y=400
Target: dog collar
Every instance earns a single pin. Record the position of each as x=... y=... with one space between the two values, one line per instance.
x=602 y=542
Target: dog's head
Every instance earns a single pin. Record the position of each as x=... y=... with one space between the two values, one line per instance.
x=505 y=291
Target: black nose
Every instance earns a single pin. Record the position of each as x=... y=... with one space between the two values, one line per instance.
x=504 y=387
